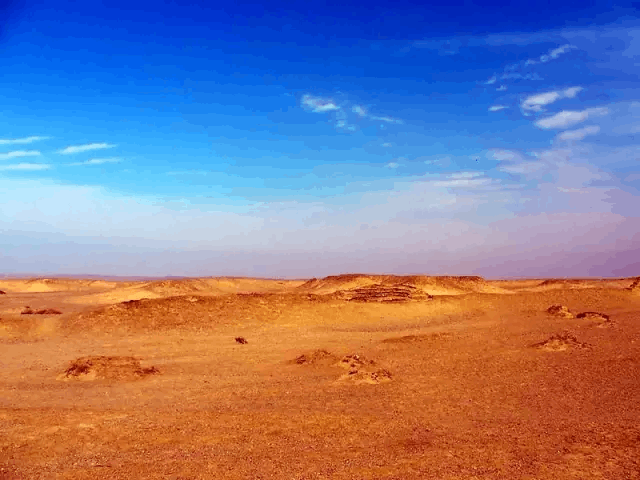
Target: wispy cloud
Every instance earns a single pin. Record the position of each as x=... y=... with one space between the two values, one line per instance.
x=551 y=55
x=578 y=134
x=515 y=162
x=19 y=154
x=436 y=160
x=84 y=148
x=501 y=88
x=25 y=166
x=341 y=112
x=360 y=110
x=497 y=108
x=392 y=165
x=386 y=119
x=97 y=161
x=567 y=118
x=21 y=141
x=536 y=103
x=520 y=76
x=319 y=104
x=518 y=71
x=387 y=144
x=504 y=155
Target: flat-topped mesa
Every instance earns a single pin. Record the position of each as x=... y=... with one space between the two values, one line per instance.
x=428 y=285
x=560 y=281
x=385 y=294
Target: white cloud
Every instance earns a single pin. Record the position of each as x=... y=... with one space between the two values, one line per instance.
x=505 y=155
x=567 y=118
x=501 y=88
x=21 y=141
x=556 y=52
x=496 y=108
x=387 y=119
x=520 y=76
x=551 y=55
x=578 y=134
x=26 y=166
x=463 y=182
x=393 y=165
x=436 y=160
x=387 y=144
x=341 y=113
x=19 y=154
x=97 y=161
x=84 y=148
x=359 y=110
x=319 y=104
x=536 y=103
x=491 y=81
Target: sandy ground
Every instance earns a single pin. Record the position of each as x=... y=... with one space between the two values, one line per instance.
x=449 y=378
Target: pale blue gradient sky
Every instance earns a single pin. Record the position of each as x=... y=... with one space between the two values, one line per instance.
x=292 y=142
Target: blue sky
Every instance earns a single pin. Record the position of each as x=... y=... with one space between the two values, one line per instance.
x=283 y=139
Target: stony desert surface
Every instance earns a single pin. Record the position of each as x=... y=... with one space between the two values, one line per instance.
x=345 y=377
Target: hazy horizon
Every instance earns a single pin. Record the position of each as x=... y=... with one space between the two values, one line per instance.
x=293 y=140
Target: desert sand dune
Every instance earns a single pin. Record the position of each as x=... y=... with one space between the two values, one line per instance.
x=452 y=378
x=41 y=285
x=195 y=286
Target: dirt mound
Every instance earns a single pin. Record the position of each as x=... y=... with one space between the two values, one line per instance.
x=106 y=368
x=559 y=311
x=560 y=342
x=194 y=312
x=317 y=357
x=594 y=315
x=362 y=370
x=355 y=362
x=635 y=286
x=359 y=369
x=152 y=314
x=373 y=377
x=602 y=320
x=178 y=287
x=44 y=311
x=2 y=292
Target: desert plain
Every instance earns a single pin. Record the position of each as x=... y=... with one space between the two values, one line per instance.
x=343 y=377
